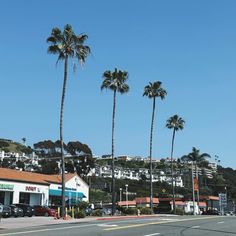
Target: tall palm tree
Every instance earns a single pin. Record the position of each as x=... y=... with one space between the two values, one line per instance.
x=115 y=81
x=66 y=44
x=153 y=91
x=176 y=123
x=196 y=158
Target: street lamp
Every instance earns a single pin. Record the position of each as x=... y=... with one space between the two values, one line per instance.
x=120 y=194
x=126 y=188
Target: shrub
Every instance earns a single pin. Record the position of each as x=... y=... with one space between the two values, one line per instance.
x=178 y=211
x=145 y=211
x=130 y=211
x=97 y=212
x=79 y=214
x=83 y=205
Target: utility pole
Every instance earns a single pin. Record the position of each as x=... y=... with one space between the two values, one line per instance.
x=197 y=187
x=126 y=186
x=120 y=194
x=193 y=191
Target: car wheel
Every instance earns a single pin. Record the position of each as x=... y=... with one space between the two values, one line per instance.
x=46 y=214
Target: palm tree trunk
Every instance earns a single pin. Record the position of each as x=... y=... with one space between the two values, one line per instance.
x=172 y=172
x=112 y=154
x=151 y=186
x=61 y=139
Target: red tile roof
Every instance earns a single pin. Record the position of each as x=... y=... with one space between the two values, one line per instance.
x=202 y=204
x=129 y=203
x=140 y=200
x=31 y=177
x=178 y=203
x=213 y=198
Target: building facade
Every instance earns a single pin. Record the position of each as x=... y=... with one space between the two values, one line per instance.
x=39 y=189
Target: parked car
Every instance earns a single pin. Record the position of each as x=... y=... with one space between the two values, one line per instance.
x=106 y=211
x=6 y=212
x=88 y=211
x=1 y=209
x=16 y=211
x=211 y=212
x=43 y=211
x=27 y=209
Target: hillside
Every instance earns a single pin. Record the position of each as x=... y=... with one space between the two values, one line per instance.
x=11 y=146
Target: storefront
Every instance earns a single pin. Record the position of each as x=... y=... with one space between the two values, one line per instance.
x=76 y=190
x=38 y=189
x=6 y=193
x=17 y=192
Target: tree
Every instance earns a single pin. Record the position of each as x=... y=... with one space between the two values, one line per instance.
x=20 y=164
x=176 y=123
x=196 y=158
x=24 y=140
x=66 y=44
x=153 y=91
x=115 y=81
x=49 y=167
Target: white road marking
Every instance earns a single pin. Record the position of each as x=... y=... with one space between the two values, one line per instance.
x=194 y=227
x=151 y=234
x=169 y=219
x=45 y=230
x=220 y=222
x=106 y=225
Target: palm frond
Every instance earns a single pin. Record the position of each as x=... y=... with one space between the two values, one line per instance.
x=175 y=122
x=54 y=49
x=115 y=81
x=67 y=43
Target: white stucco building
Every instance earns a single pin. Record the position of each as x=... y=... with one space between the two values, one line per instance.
x=39 y=189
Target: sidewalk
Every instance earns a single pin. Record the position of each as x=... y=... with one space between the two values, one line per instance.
x=24 y=222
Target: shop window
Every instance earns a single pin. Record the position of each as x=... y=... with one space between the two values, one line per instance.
x=2 y=196
x=25 y=198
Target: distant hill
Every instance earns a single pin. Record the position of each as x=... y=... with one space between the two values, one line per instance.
x=8 y=145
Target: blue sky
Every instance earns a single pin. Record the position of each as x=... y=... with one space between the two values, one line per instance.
x=188 y=45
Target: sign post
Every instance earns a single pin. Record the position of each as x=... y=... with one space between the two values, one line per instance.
x=222 y=202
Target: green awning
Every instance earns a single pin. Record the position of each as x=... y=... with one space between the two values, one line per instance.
x=68 y=194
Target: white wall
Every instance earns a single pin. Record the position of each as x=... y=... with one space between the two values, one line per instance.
x=76 y=183
x=38 y=194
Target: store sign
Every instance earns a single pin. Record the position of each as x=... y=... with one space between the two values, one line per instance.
x=30 y=188
x=223 y=199
x=6 y=186
x=67 y=189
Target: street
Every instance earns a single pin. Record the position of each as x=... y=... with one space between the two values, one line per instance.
x=147 y=226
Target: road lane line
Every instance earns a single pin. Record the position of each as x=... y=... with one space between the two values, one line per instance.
x=152 y=234
x=159 y=222
x=45 y=230
x=220 y=222
x=107 y=225
x=195 y=227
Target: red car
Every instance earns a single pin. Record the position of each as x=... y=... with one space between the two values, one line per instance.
x=43 y=211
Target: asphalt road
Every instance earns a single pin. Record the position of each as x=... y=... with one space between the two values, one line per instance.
x=171 y=226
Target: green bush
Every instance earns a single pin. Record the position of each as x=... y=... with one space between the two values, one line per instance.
x=79 y=214
x=83 y=205
x=97 y=212
x=178 y=211
x=145 y=211
x=130 y=211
